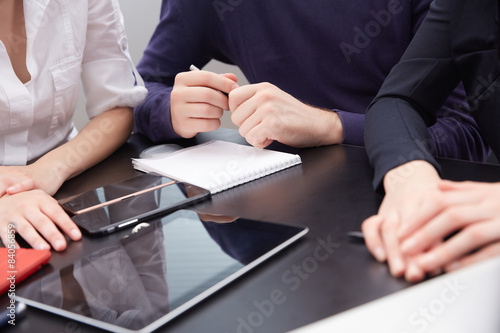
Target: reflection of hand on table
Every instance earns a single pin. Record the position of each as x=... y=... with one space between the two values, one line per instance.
x=205 y=217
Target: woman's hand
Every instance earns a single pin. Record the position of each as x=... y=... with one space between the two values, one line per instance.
x=36 y=217
x=16 y=179
x=472 y=215
x=412 y=198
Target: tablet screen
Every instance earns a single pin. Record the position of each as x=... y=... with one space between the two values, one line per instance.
x=158 y=271
x=138 y=208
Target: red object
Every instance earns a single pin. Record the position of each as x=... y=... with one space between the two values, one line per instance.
x=17 y=264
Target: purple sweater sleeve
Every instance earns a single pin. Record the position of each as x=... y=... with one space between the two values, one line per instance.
x=152 y=118
x=353 y=125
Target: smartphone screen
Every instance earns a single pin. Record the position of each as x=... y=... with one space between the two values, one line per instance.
x=134 y=209
x=112 y=193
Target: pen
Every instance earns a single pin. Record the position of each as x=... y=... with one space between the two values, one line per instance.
x=12 y=315
x=194 y=68
x=356 y=236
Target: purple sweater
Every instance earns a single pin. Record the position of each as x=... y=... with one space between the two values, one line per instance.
x=330 y=54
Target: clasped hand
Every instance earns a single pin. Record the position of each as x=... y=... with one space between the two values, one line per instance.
x=263 y=112
x=428 y=225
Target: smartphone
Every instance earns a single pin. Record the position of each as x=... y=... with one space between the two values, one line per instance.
x=109 y=194
x=140 y=207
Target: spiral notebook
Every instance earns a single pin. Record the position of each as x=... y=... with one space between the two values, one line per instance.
x=218 y=165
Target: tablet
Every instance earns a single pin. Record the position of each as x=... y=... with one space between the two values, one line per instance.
x=159 y=270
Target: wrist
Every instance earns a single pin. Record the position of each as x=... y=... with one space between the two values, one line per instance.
x=414 y=173
x=49 y=175
x=331 y=129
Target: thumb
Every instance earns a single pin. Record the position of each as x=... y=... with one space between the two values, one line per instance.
x=231 y=76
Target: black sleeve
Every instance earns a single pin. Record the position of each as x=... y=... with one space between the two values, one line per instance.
x=411 y=96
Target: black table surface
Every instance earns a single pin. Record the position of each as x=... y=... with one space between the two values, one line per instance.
x=322 y=274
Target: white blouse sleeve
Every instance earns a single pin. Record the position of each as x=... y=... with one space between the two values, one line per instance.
x=109 y=76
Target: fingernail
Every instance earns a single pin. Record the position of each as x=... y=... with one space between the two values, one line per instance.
x=75 y=234
x=59 y=244
x=411 y=273
x=453 y=266
x=379 y=254
x=42 y=246
x=397 y=267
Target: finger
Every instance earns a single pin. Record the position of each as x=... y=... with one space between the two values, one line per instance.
x=260 y=136
x=447 y=185
x=201 y=95
x=434 y=208
x=413 y=272
x=26 y=230
x=391 y=242
x=467 y=240
x=55 y=213
x=4 y=184
x=205 y=111
x=205 y=79
x=231 y=77
x=8 y=239
x=242 y=94
x=47 y=229
x=243 y=110
x=25 y=185
x=427 y=210
x=441 y=226
x=485 y=253
x=371 y=232
x=203 y=125
x=252 y=120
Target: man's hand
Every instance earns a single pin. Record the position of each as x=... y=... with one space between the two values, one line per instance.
x=197 y=102
x=265 y=113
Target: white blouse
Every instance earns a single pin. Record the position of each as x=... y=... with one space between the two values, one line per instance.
x=66 y=40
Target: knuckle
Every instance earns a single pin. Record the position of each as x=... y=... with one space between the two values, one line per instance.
x=236 y=120
x=179 y=79
x=205 y=76
x=205 y=95
x=477 y=234
x=277 y=124
x=210 y=125
x=175 y=94
x=23 y=228
x=368 y=225
x=386 y=227
x=266 y=95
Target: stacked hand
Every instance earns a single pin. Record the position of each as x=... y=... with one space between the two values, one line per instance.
x=26 y=203
x=426 y=225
